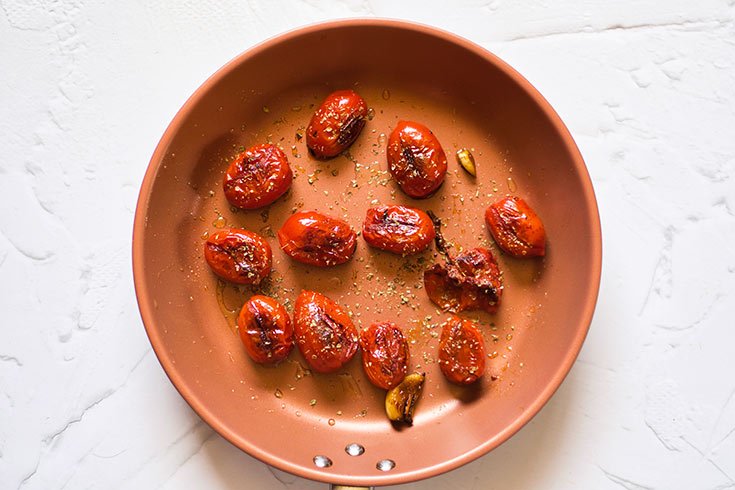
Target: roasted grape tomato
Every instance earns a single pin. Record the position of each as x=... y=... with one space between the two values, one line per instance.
x=517 y=229
x=239 y=256
x=325 y=334
x=398 y=229
x=385 y=354
x=314 y=238
x=336 y=123
x=469 y=281
x=461 y=351
x=265 y=329
x=257 y=177
x=416 y=160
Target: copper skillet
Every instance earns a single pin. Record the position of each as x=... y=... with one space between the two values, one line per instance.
x=299 y=421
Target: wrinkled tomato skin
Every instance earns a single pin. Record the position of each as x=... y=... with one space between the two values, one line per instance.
x=398 y=229
x=385 y=354
x=325 y=334
x=265 y=330
x=317 y=239
x=239 y=256
x=336 y=123
x=416 y=160
x=461 y=351
x=472 y=283
x=516 y=228
x=257 y=177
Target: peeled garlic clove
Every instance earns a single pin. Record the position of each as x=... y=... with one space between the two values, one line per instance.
x=401 y=400
x=465 y=158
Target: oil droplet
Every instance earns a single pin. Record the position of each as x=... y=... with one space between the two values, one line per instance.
x=331 y=421
x=219 y=222
x=371 y=114
x=228 y=312
x=386 y=94
x=382 y=139
x=512 y=185
x=294 y=151
x=205 y=235
x=493 y=355
x=298 y=413
x=278 y=393
x=509 y=336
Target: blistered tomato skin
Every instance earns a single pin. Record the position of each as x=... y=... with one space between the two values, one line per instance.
x=336 y=123
x=317 y=239
x=265 y=330
x=416 y=160
x=517 y=229
x=239 y=256
x=398 y=229
x=385 y=354
x=257 y=177
x=471 y=281
x=461 y=351
x=325 y=334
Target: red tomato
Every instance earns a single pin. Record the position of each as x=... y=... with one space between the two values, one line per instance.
x=265 y=329
x=398 y=229
x=471 y=281
x=461 y=351
x=384 y=354
x=416 y=159
x=316 y=239
x=257 y=177
x=336 y=123
x=239 y=256
x=324 y=332
x=516 y=227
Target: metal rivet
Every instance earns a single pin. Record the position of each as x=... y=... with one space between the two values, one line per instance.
x=354 y=449
x=386 y=465
x=322 y=461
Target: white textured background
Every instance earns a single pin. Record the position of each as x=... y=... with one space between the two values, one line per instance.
x=647 y=88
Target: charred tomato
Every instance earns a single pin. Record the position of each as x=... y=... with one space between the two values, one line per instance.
x=239 y=256
x=461 y=351
x=385 y=354
x=317 y=239
x=325 y=334
x=469 y=281
x=336 y=123
x=517 y=229
x=416 y=160
x=257 y=177
x=265 y=329
x=398 y=229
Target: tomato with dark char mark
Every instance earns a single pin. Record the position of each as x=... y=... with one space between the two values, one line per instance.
x=257 y=177
x=398 y=229
x=461 y=351
x=385 y=354
x=517 y=229
x=265 y=330
x=470 y=282
x=416 y=160
x=317 y=239
x=239 y=256
x=336 y=123
x=325 y=334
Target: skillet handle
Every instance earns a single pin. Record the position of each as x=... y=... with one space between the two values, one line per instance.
x=347 y=487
